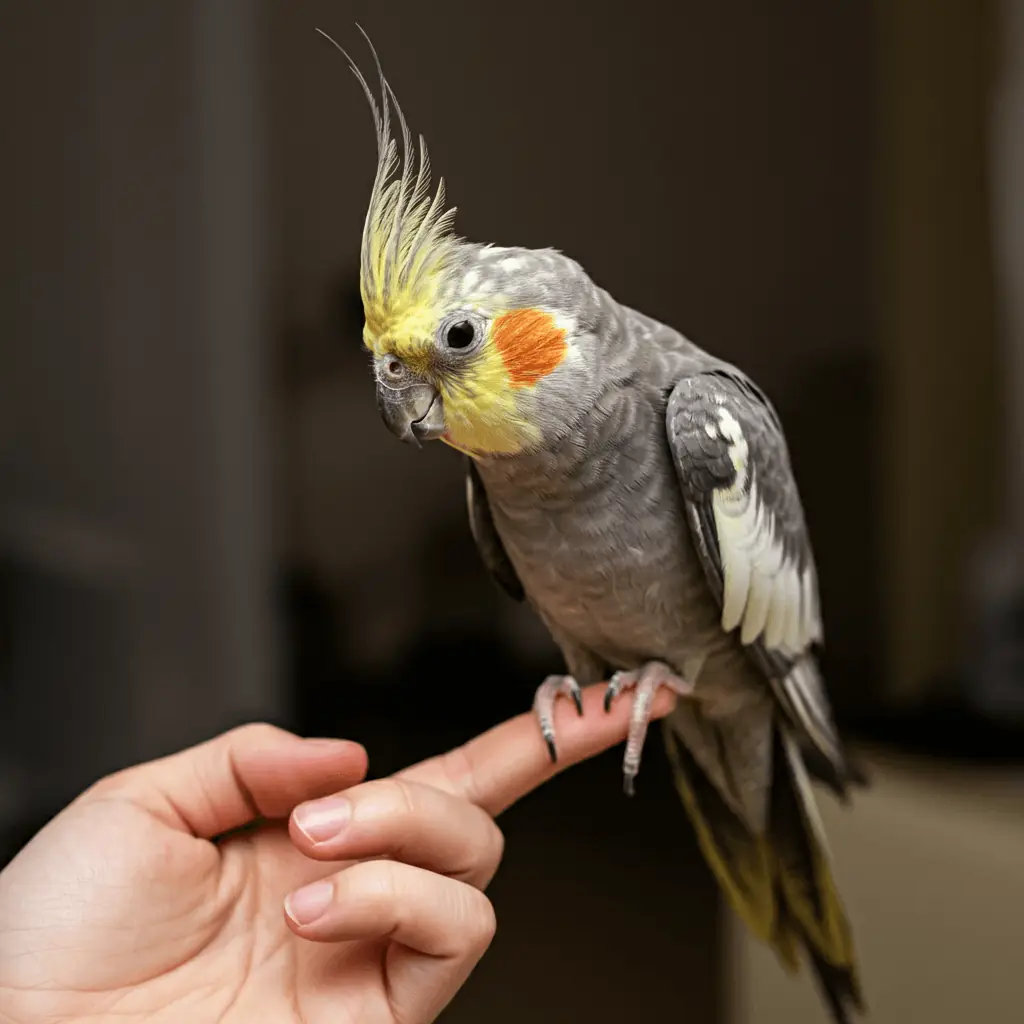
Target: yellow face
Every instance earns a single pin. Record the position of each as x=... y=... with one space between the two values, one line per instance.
x=485 y=363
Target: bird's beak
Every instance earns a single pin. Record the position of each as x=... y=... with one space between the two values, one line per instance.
x=413 y=413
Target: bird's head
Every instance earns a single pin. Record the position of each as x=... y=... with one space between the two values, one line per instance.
x=488 y=349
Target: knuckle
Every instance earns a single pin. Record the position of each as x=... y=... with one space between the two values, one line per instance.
x=497 y=845
x=370 y=882
x=380 y=879
x=458 y=769
x=482 y=922
x=390 y=799
x=257 y=733
x=487 y=855
x=404 y=797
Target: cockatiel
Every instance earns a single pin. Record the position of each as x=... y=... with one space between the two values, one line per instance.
x=638 y=493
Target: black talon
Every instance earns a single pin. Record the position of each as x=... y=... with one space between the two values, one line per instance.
x=577 y=698
x=609 y=696
x=551 y=749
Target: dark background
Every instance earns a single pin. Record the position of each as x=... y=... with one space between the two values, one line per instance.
x=203 y=522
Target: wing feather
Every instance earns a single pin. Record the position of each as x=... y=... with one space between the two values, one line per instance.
x=748 y=525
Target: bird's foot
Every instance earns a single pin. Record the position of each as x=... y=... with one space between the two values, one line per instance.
x=544 y=706
x=646 y=680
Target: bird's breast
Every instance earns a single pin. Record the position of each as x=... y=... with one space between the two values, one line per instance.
x=615 y=570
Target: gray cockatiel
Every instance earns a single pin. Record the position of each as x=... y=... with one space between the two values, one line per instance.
x=638 y=493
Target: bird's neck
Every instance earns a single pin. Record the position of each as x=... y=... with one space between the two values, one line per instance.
x=556 y=473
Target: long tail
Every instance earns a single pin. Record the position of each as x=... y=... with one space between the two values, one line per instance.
x=780 y=883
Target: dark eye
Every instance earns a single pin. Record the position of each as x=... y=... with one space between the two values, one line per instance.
x=460 y=335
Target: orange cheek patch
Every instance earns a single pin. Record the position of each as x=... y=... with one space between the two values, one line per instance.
x=530 y=343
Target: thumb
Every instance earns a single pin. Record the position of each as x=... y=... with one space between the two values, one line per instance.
x=254 y=771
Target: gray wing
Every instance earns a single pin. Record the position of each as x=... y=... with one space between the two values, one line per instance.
x=489 y=544
x=748 y=526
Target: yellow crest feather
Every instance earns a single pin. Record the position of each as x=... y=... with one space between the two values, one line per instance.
x=407 y=234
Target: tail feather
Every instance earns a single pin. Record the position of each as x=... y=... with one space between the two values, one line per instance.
x=785 y=940
x=838 y=988
x=803 y=697
x=822 y=770
x=798 y=840
x=780 y=882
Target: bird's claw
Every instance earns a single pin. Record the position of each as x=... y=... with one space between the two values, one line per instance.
x=647 y=680
x=544 y=706
x=615 y=686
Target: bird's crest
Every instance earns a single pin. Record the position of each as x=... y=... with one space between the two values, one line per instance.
x=407 y=234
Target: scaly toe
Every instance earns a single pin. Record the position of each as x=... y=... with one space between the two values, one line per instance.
x=647 y=682
x=544 y=706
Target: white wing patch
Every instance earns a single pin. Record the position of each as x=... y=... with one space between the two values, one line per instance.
x=765 y=594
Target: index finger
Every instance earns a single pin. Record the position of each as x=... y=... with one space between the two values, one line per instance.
x=502 y=765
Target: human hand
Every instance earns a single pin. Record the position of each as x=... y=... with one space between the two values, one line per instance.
x=132 y=905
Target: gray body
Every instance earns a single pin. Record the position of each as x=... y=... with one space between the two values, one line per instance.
x=596 y=531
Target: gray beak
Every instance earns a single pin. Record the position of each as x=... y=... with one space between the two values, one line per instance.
x=413 y=412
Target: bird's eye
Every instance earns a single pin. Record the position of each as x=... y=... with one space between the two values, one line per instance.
x=460 y=335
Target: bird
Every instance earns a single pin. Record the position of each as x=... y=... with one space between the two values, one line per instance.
x=637 y=492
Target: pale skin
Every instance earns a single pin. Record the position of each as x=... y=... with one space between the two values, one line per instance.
x=132 y=906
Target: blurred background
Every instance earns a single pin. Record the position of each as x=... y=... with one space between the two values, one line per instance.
x=203 y=522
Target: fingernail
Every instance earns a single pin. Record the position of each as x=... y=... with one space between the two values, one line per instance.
x=321 y=820
x=305 y=905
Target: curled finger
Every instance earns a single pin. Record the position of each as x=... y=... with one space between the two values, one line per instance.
x=439 y=927
x=405 y=821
